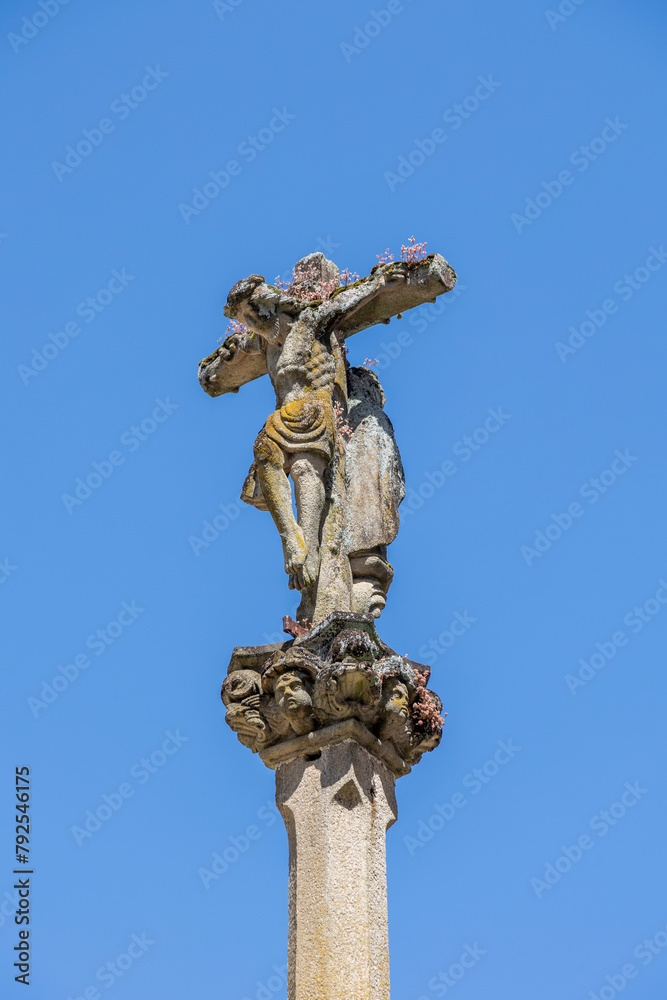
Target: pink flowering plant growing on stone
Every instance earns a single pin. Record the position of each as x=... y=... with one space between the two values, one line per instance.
x=424 y=711
x=411 y=254
x=343 y=425
x=234 y=329
x=308 y=286
x=348 y=277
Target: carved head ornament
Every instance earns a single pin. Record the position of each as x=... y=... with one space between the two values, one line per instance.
x=289 y=676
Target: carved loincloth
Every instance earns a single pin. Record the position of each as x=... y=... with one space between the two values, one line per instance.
x=305 y=425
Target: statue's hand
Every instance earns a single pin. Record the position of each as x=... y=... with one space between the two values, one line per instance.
x=247 y=342
x=229 y=347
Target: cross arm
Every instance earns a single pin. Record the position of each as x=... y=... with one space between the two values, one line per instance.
x=242 y=356
x=390 y=289
x=239 y=359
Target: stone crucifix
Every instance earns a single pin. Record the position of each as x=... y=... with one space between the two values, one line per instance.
x=337 y=713
x=346 y=493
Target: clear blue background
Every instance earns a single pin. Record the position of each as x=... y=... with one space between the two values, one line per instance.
x=321 y=184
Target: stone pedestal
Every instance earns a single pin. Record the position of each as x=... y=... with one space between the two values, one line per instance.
x=337 y=808
x=339 y=715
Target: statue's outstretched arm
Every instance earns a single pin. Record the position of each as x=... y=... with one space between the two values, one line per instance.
x=389 y=289
x=239 y=359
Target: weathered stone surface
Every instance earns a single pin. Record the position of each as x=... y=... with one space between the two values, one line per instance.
x=350 y=729
x=374 y=488
x=337 y=810
x=375 y=482
x=328 y=432
x=334 y=710
x=339 y=670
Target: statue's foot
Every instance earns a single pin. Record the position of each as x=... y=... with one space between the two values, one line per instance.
x=296 y=555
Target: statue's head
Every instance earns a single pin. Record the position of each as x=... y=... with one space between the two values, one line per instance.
x=399 y=691
x=291 y=691
x=371 y=579
x=289 y=678
x=395 y=698
x=254 y=303
x=395 y=718
x=240 y=684
x=241 y=694
x=348 y=689
x=240 y=294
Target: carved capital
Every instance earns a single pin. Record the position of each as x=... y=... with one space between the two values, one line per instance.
x=281 y=697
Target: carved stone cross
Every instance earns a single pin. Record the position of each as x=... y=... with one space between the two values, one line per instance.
x=328 y=432
x=334 y=710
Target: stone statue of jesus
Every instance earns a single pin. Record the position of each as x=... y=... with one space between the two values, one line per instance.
x=298 y=337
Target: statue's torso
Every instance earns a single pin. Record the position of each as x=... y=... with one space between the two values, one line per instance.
x=301 y=364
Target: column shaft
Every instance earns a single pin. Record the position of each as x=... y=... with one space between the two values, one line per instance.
x=337 y=809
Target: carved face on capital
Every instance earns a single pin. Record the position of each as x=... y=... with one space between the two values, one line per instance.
x=241 y=693
x=395 y=718
x=396 y=698
x=291 y=692
x=239 y=685
x=288 y=678
x=422 y=744
x=348 y=689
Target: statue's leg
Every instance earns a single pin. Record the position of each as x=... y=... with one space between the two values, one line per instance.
x=278 y=496
x=307 y=472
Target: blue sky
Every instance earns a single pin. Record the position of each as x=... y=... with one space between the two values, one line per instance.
x=545 y=191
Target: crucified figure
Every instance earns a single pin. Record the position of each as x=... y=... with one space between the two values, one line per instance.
x=297 y=337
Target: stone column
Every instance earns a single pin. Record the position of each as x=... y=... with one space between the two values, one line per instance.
x=339 y=716
x=337 y=809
